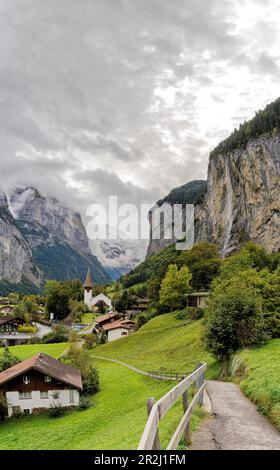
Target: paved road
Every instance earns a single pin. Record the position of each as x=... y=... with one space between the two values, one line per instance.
x=42 y=330
x=236 y=424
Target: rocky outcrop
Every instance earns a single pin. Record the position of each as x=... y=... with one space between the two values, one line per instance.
x=15 y=254
x=40 y=239
x=243 y=197
x=242 y=200
x=190 y=193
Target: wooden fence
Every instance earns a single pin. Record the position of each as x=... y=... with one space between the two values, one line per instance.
x=157 y=410
x=167 y=375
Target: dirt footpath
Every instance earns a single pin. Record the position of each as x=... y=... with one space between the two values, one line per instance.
x=235 y=424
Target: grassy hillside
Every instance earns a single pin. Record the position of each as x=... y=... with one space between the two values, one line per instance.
x=258 y=371
x=115 y=420
x=164 y=341
x=23 y=352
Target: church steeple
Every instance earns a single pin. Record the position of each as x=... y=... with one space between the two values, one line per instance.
x=88 y=282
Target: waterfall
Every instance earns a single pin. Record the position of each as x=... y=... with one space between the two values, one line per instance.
x=229 y=210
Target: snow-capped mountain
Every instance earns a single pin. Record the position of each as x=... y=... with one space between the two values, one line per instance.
x=41 y=238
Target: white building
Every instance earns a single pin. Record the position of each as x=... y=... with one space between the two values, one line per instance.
x=96 y=301
x=38 y=383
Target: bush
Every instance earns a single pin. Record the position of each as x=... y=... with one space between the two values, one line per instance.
x=7 y=360
x=56 y=410
x=85 y=403
x=81 y=360
x=234 y=319
x=27 y=329
x=90 y=341
x=60 y=334
x=190 y=313
x=90 y=381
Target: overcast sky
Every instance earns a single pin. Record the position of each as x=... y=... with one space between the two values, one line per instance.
x=127 y=97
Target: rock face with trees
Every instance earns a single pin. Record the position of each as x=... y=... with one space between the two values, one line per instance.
x=242 y=199
x=42 y=239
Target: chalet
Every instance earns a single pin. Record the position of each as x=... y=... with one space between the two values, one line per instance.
x=39 y=382
x=197 y=299
x=9 y=324
x=113 y=326
x=117 y=329
x=140 y=304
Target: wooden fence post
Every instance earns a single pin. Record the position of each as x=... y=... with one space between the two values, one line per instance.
x=199 y=382
x=185 y=407
x=150 y=404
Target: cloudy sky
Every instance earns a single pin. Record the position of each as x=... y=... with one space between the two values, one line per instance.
x=127 y=97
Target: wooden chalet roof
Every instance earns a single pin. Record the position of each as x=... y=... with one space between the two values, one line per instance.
x=47 y=365
x=126 y=324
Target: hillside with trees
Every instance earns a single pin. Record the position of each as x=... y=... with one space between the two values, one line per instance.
x=265 y=121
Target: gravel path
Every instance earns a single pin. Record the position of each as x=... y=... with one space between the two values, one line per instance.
x=235 y=424
x=139 y=371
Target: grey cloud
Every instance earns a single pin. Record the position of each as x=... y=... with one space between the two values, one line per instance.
x=96 y=92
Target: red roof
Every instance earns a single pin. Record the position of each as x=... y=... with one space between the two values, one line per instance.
x=126 y=324
x=107 y=317
x=47 y=365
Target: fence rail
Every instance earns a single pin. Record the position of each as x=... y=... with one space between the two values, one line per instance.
x=166 y=375
x=157 y=410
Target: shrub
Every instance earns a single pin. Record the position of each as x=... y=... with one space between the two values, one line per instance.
x=192 y=313
x=7 y=360
x=27 y=329
x=90 y=381
x=60 y=334
x=234 y=319
x=56 y=410
x=81 y=360
x=90 y=341
x=85 y=403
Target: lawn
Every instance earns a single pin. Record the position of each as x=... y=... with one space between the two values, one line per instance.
x=258 y=371
x=115 y=420
x=118 y=413
x=165 y=342
x=23 y=352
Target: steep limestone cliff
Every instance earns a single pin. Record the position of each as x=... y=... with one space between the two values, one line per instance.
x=42 y=239
x=15 y=254
x=243 y=197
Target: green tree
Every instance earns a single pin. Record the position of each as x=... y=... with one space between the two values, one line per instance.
x=57 y=299
x=204 y=262
x=234 y=318
x=81 y=360
x=7 y=360
x=154 y=288
x=175 y=286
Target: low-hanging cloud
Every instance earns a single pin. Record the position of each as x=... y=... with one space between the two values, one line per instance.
x=102 y=96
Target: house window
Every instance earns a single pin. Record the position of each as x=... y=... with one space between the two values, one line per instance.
x=71 y=393
x=26 y=411
x=47 y=378
x=192 y=302
x=25 y=395
x=44 y=394
x=124 y=333
x=26 y=379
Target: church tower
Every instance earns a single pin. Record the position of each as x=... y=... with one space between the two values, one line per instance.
x=88 y=290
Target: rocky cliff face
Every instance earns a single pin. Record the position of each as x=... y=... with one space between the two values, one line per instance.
x=190 y=193
x=41 y=239
x=243 y=197
x=242 y=200
x=15 y=254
